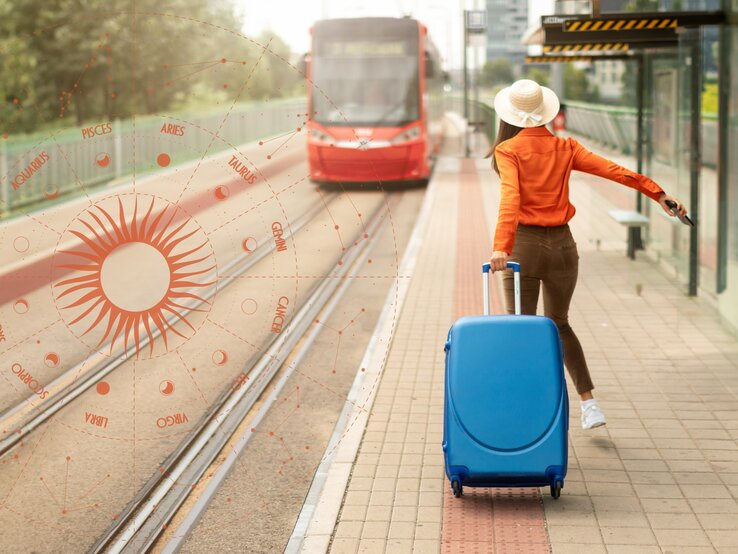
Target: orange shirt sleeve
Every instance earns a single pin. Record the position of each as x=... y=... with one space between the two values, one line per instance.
x=589 y=162
x=507 y=219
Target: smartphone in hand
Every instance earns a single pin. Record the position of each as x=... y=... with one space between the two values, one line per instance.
x=683 y=218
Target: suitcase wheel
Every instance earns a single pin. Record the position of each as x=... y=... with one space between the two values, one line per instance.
x=457 y=488
x=556 y=488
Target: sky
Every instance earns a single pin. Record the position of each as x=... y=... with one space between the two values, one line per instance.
x=291 y=19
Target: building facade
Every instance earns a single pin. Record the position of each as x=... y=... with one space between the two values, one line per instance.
x=507 y=21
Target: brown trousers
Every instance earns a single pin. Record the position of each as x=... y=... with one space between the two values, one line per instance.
x=548 y=256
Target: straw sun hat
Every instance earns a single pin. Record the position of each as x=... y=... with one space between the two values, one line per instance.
x=525 y=103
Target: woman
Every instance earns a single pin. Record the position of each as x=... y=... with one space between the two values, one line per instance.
x=534 y=168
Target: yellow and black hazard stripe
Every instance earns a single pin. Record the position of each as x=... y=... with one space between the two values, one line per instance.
x=603 y=46
x=625 y=24
x=552 y=59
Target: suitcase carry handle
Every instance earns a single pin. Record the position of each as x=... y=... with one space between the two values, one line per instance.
x=485 y=285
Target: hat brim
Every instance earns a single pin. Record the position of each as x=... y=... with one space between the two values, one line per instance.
x=507 y=113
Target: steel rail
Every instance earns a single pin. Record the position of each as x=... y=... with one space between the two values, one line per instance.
x=91 y=376
x=146 y=516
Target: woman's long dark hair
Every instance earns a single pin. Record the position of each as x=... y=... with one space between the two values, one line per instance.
x=504 y=132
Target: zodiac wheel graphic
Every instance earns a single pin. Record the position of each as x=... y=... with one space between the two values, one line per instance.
x=118 y=243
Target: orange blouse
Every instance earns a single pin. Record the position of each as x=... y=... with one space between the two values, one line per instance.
x=534 y=179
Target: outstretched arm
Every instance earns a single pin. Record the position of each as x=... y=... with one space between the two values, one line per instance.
x=589 y=162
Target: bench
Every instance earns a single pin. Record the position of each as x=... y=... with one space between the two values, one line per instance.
x=633 y=221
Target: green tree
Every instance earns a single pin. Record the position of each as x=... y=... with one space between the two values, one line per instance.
x=18 y=100
x=496 y=72
x=642 y=6
x=650 y=6
x=577 y=87
x=96 y=59
x=537 y=74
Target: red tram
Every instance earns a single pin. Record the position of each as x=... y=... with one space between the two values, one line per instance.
x=375 y=88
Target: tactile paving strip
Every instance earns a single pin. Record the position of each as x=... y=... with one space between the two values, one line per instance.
x=485 y=521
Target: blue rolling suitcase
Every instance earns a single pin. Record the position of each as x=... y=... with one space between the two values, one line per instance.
x=506 y=413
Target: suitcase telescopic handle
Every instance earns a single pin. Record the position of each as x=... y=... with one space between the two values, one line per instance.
x=515 y=266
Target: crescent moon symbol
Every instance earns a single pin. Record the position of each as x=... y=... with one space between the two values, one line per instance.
x=221 y=192
x=21 y=306
x=166 y=388
x=51 y=359
x=249 y=244
x=52 y=192
x=220 y=357
x=103 y=159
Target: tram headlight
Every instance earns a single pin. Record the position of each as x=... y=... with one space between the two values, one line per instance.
x=406 y=136
x=317 y=134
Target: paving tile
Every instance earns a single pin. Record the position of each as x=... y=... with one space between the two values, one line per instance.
x=344 y=546
x=615 y=504
x=402 y=530
x=429 y=515
x=632 y=549
x=666 y=505
x=622 y=519
x=610 y=489
x=651 y=478
x=428 y=530
x=349 y=529
x=576 y=518
x=689 y=550
x=372 y=546
x=705 y=491
x=681 y=537
x=378 y=513
x=723 y=538
x=381 y=498
x=696 y=478
x=645 y=465
x=714 y=506
x=723 y=522
x=404 y=513
x=353 y=513
x=374 y=530
x=399 y=546
x=673 y=521
x=628 y=536
x=605 y=476
x=421 y=546
x=584 y=534
x=658 y=491
x=578 y=548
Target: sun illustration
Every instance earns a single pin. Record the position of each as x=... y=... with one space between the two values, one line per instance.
x=132 y=266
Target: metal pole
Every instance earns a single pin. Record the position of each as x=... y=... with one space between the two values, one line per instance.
x=595 y=8
x=466 y=92
x=722 y=165
x=476 y=93
x=695 y=157
x=635 y=240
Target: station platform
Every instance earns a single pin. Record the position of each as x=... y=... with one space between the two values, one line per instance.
x=661 y=477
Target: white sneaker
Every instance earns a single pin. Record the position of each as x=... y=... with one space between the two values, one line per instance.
x=592 y=415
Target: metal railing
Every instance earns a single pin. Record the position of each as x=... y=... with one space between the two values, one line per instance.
x=615 y=127
x=76 y=164
x=480 y=111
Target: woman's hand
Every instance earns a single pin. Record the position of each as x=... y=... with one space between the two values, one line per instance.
x=498 y=261
x=680 y=207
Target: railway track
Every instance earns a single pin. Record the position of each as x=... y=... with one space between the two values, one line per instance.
x=146 y=516
x=27 y=415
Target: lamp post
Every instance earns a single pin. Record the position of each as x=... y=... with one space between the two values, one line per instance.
x=475 y=23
